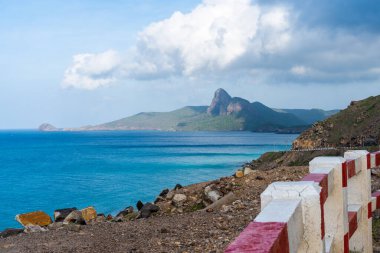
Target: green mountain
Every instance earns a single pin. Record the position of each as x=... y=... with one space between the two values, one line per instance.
x=357 y=125
x=189 y=118
x=225 y=113
x=309 y=115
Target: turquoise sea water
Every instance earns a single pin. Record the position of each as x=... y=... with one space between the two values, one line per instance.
x=114 y=169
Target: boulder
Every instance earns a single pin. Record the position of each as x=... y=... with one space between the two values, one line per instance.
x=144 y=214
x=208 y=189
x=165 y=206
x=213 y=196
x=37 y=218
x=147 y=210
x=247 y=171
x=178 y=186
x=11 y=232
x=118 y=219
x=159 y=199
x=170 y=195
x=139 y=205
x=164 y=192
x=88 y=213
x=125 y=212
x=34 y=228
x=151 y=207
x=131 y=216
x=239 y=174
x=61 y=214
x=75 y=217
x=179 y=199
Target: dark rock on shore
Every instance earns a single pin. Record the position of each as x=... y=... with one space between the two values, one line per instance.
x=61 y=214
x=139 y=205
x=125 y=212
x=147 y=210
x=178 y=186
x=11 y=232
x=164 y=192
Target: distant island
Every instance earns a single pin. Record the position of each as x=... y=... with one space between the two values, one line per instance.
x=225 y=113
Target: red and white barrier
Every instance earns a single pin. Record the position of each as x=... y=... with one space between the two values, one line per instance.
x=329 y=210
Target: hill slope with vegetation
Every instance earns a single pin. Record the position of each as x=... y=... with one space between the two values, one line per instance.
x=357 y=125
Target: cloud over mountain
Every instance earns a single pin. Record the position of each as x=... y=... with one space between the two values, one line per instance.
x=264 y=40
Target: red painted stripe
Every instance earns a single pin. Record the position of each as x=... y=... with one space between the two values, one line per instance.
x=377 y=196
x=352 y=222
x=323 y=181
x=322 y=221
x=344 y=174
x=370 y=209
x=351 y=168
x=262 y=237
x=346 y=240
x=377 y=158
x=369 y=161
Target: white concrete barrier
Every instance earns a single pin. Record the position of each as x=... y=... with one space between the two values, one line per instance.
x=330 y=210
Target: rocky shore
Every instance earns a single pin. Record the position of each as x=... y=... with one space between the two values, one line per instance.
x=203 y=217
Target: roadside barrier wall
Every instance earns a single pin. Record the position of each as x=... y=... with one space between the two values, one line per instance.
x=329 y=210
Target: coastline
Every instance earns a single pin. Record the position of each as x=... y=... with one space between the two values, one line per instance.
x=112 y=170
x=177 y=226
x=168 y=229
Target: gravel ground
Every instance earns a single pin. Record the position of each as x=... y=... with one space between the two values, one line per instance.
x=187 y=232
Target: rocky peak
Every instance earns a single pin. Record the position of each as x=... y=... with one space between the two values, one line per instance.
x=219 y=103
x=47 y=127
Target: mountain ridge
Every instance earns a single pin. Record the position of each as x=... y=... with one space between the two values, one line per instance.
x=225 y=113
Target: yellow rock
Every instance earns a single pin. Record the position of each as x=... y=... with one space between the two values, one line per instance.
x=239 y=174
x=89 y=213
x=37 y=218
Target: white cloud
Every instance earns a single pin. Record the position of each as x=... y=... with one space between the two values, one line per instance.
x=91 y=71
x=212 y=37
x=299 y=70
x=230 y=39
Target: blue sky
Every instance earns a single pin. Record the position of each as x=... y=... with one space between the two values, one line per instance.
x=74 y=63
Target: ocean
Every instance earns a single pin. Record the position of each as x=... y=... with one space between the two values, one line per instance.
x=111 y=170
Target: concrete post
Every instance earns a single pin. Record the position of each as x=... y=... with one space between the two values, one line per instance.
x=359 y=197
x=335 y=207
x=309 y=194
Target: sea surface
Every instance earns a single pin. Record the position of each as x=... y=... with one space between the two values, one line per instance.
x=114 y=169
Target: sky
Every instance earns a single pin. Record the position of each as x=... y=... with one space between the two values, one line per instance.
x=73 y=63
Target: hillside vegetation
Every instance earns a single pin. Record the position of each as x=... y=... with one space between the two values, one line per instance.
x=357 y=125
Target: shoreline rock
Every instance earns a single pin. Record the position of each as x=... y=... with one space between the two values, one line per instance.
x=61 y=214
x=37 y=218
